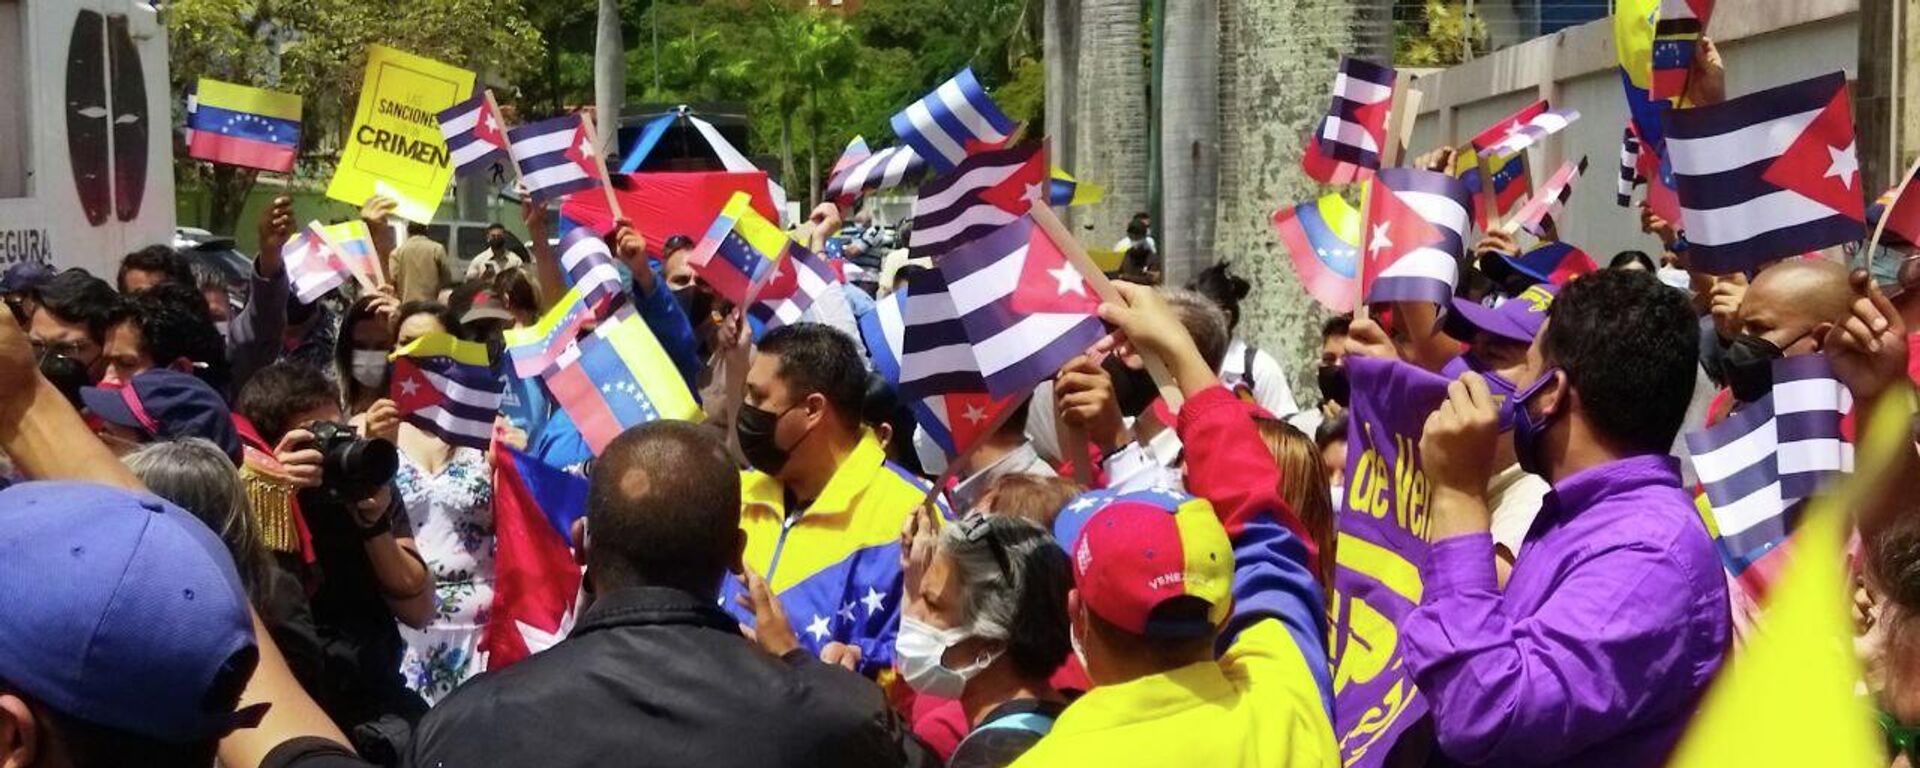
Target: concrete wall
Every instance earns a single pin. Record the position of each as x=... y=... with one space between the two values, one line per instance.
x=1765 y=42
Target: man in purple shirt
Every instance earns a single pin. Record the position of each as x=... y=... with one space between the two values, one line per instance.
x=1615 y=616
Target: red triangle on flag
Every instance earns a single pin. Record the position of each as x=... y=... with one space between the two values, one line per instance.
x=968 y=414
x=1049 y=283
x=582 y=152
x=1373 y=117
x=487 y=127
x=1017 y=192
x=1392 y=230
x=1822 y=164
x=410 y=389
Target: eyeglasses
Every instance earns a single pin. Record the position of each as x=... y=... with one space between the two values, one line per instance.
x=975 y=528
x=1901 y=739
x=42 y=349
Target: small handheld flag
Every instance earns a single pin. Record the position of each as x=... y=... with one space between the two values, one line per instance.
x=986 y=191
x=956 y=120
x=1629 y=168
x=242 y=125
x=1064 y=190
x=1674 y=35
x=1767 y=175
x=1521 y=130
x=1025 y=308
x=1322 y=239
x=354 y=244
x=313 y=268
x=1550 y=200
x=957 y=409
x=1355 y=129
x=535 y=578
x=617 y=378
x=475 y=135
x=884 y=169
x=1414 y=235
x=797 y=282
x=738 y=249
x=1327 y=170
x=536 y=348
x=447 y=387
x=556 y=157
x=1901 y=213
x=587 y=265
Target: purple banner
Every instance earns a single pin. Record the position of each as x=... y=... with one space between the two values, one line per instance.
x=1383 y=543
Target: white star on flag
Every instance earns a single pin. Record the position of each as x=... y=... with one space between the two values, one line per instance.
x=1069 y=280
x=538 y=639
x=1036 y=193
x=409 y=386
x=493 y=123
x=1081 y=504
x=818 y=628
x=1379 y=240
x=586 y=147
x=974 y=413
x=874 y=601
x=1844 y=164
x=846 y=611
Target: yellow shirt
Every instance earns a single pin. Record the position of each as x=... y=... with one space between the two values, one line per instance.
x=1256 y=706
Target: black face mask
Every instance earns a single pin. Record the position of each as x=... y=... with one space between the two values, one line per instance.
x=497 y=243
x=694 y=302
x=1748 y=366
x=1133 y=390
x=1333 y=383
x=67 y=375
x=756 y=427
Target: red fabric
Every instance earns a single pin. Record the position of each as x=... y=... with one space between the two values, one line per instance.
x=1229 y=465
x=1327 y=170
x=941 y=723
x=535 y=577
x=1049 y=284
x=664 y=204
x=1808 y=165
x=1913 y=357
x=1393 y=229
x=257 y=450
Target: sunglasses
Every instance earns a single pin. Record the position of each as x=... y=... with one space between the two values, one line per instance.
x=975 y=528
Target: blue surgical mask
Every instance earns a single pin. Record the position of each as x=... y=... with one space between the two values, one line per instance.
x=1528 y=429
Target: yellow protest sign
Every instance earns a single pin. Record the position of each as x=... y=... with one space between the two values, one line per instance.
x=395 y=147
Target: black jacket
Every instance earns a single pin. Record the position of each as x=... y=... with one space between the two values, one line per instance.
x=658 y=677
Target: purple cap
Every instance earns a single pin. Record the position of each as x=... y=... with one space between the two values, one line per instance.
x=166 y=404
x=1517 y=319
x=25 y=276
x=122 y=610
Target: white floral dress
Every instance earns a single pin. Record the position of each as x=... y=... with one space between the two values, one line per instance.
x=452 y=515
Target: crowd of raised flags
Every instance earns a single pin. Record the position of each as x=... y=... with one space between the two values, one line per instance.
x=1009 y=299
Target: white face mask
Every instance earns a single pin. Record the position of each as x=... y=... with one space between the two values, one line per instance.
x=918 y=651
x=369 y=367
x=1339 y=495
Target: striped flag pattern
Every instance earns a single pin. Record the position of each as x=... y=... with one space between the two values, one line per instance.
x=1767 y=175
x=475 y=136
x=1426 y=271
x=986 y=191
x=796 y=283
x=447 y=387
x=1355 y=128
x=884 y=169
x=535 y=349
x=935 y=356
x=1630 y=175
x=617 y=378
x=554 y=156
x=956 y=120
x=738 y=249
x=958 y=415
x=1025 y=309
x=1550 y=200
x=1759 y=464
x=588 y=266
x=1680 y=26
x=313 y=268
x=1521 y=130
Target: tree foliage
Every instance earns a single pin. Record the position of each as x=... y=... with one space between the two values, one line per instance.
x=1439 y=34
x=317 y=48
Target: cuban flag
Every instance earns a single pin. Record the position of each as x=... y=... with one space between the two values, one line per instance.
x=1521 y=130
x=617 y=378
x=447 y=387
x=1901 y=211
x=1767 y=175
x=1764 y=460
x=958 y=413
x=1322 y=239
x=1355 y=129
x=986 y=191
x=588 y=266
x=1674 y=35
x=1327 y=170
x=556 y=157
x=739 y=248
x=1025 y=309
x=795 y=284
x=475 y=137
x=535 y=349
x=885 y=169
x=1550 y=200
x=1414 y=236
x=536 y=582
x=956 y=120
x=313 y=268
x=1630 y=176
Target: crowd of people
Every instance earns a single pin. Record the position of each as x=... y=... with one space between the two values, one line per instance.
x=219 y=537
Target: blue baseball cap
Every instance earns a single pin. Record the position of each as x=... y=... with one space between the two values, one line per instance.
x=122 y=610
x=166 y=404
x=1516 y=319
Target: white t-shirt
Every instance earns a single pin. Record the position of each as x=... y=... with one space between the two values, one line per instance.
x=1268 y=381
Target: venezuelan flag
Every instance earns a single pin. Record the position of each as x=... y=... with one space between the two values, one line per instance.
x=354 y=243
x=739 y=249
x=619 y=378
x=535 y=348
x=242 y=125
x=1064 y=190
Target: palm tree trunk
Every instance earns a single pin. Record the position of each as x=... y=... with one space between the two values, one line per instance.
x=609 y=74
x=1189 y=136
x=1110 y=117
x=1060 y=48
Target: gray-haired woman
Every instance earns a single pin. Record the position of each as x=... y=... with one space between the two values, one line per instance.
x=196 y=475
x=985 y=622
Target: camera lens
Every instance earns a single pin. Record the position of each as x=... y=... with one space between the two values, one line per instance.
x=370 y=462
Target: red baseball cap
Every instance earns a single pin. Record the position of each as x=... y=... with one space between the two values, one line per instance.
x=1138 y=551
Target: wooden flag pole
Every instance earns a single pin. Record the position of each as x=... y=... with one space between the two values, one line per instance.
x=953 y=462
x=493 y=108
x=1404 y=138
x=1360 y=259
x=1396 y=107
x=1880 y=229
x=600 y=163
x=1076 y=254
x=1489 y=195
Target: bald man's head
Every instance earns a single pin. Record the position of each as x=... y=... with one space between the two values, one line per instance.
x=1793 y=302
x=663 y=509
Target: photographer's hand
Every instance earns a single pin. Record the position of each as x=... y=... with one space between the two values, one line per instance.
x=299 y=458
